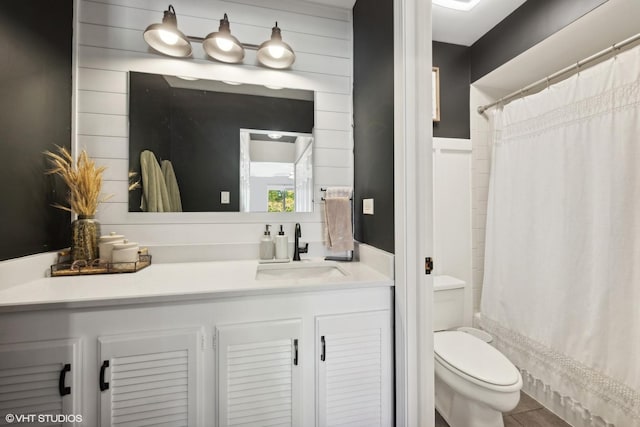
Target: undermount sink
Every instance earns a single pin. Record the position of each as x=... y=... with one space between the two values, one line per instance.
x=300 y=270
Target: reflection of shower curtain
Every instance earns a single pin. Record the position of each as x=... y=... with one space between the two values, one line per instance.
x=245 y=172
x=562 y=264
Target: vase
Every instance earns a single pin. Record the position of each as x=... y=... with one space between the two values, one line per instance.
x=85 y=233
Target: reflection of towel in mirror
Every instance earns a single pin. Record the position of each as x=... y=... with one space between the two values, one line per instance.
x=155 y=197
x=172 y=186
x=337 y=214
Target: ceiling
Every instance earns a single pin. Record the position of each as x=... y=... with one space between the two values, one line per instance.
x=464 y=28
x=454 y=26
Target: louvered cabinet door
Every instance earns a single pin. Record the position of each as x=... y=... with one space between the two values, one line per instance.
x=40 y=378
x=150 y=379
x=258 y=371
x=354 y=383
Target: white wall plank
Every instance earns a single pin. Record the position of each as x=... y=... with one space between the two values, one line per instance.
x=132 y=40
x=110 y=44
x=137 y=13
x=332 y=157
x=119 y=60
x=110 y=147
x=333 y=121
x=102 y=80
x=102 y=102
x=102 y=124
x=326 y=138
x=333 y=102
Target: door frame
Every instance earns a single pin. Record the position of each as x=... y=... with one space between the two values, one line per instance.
x=413 y=187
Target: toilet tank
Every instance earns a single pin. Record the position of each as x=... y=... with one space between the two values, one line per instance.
x=448 y=302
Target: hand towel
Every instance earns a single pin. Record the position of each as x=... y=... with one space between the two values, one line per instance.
x=155 y=197
x=172 y=186
x=337 y=212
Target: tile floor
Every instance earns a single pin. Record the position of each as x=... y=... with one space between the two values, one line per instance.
x=528 y=413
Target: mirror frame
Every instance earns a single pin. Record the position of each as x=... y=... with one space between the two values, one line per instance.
x=294 y=80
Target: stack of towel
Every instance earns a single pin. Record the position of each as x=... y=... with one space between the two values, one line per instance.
x=337 y=213
x=160 y=192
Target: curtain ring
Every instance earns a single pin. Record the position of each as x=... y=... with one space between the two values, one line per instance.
x=547 y=83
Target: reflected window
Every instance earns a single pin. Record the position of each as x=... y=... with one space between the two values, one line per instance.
x=281 y=200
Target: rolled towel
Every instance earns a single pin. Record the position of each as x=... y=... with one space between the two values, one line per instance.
x=155 y=197
x=172 y=186
x=337 y=213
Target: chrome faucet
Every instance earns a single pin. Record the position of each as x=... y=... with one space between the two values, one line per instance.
x=297 y=250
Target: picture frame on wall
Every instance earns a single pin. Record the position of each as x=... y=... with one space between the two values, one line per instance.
x=435 y=93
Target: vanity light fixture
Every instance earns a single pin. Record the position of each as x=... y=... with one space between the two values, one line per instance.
x=275 y=53
x=222 y=46
x=274 y=135
x=166 y=38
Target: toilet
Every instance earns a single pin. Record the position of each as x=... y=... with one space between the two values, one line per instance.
x=474 y=382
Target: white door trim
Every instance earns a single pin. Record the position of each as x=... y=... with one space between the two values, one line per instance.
x=413 y=176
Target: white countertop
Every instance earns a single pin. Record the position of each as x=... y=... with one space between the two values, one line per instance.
x=174 y=282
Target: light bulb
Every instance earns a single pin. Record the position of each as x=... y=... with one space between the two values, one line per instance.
x=276 y=51
x=224 y=44
x=168 y=37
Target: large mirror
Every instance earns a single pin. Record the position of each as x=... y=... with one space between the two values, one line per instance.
x=222 y=147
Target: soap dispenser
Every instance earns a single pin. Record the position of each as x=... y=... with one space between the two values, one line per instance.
x=282 y=245
x=266 y=245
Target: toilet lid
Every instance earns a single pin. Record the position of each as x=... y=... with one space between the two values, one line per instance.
x=475 y=358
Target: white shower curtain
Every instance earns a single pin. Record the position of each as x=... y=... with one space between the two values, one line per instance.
x=562 y=259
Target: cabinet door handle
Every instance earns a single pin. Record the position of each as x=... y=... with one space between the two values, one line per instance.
x=103 y=385
x=63 y=376
x=323 y=355
x=295 y=352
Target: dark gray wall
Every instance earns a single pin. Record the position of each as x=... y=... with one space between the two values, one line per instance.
x=459 y=65
x=35 y=114
x=528 y=25
x=199 y=131
x=453 y=61
x=373 y=118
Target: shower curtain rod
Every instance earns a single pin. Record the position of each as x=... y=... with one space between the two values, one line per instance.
x=546 y=80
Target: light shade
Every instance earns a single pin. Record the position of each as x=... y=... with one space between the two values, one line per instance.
x=222 y=46
x=166 y=38
x=275 y=53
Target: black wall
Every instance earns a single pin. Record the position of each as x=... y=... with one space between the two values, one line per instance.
x=35 y=114
x=459 y=66
x=199 y=131
x=454 y=63
x=373 y=118
x=528 y=25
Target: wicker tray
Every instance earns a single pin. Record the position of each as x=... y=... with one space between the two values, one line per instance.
x=80 y=268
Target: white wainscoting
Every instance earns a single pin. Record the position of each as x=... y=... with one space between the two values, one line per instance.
x=109 y=44
x=452 y=213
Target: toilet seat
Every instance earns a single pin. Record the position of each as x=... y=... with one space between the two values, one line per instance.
x=476 y=361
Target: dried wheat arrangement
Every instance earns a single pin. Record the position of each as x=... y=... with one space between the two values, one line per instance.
x=83 y=179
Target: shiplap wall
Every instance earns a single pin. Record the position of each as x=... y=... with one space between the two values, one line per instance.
x=110 y=44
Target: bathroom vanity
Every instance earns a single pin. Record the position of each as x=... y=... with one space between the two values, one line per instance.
x=203 y=344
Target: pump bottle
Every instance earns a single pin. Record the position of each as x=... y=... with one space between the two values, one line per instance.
x=266 y=245
x=282 y=245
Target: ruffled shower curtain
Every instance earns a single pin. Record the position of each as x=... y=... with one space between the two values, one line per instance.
x=561 y=289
